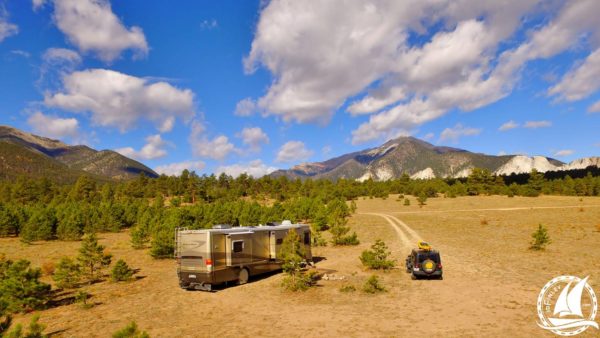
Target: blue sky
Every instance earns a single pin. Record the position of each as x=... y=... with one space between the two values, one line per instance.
x=252 y=86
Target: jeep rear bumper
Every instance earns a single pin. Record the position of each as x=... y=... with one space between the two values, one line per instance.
x=436 y=273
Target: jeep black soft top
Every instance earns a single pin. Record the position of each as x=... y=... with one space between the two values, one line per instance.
x=423 y=255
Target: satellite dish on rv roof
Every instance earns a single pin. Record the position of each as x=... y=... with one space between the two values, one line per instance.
x=286 y=222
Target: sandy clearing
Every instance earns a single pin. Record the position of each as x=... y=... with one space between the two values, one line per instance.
x=491 y=281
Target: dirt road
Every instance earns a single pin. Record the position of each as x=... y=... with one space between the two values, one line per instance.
x=407 y=236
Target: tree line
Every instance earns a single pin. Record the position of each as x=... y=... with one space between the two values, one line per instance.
x=39 y=209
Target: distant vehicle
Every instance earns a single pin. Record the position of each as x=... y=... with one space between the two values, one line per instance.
x=424 y=262
x=208 y=257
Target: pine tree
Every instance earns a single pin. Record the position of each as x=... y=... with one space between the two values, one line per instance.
x=377 y=257
x=131 y=331
x=540 y=239
x=9 y=223
x=67 y=274
x=421 y=199
x=292 y=254
x=40 y=226
x=92 y=258
x=20 y=287
x=121 y=272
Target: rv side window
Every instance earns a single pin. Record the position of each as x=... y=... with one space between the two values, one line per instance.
x=238 y=246
x=307 y=238
x=279 y=241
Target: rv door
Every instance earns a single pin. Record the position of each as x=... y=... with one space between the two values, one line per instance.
x=239 y=248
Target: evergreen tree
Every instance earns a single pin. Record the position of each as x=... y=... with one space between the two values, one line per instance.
x=9 y=223
x=377 y=257
x=292 y=254
x=36 y=330
x=70 y=223
x=121 y=272
x=421 y=199
x=20 y=287
x=92 y=258
x=40 y=226
x=131 y=331
x=83 y=190
x=67 y=274
x=540 y=239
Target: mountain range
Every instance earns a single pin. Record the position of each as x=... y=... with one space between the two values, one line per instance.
x=26 y=154
x=30 y=155
x=422 y=160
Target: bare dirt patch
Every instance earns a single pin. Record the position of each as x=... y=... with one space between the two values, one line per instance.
x=490 y=284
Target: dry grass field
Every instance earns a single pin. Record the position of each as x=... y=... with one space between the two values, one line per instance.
x=491 y=280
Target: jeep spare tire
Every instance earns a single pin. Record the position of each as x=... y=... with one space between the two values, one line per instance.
x=428 y=266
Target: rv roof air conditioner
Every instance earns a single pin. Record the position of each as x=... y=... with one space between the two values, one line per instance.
x=222 y=226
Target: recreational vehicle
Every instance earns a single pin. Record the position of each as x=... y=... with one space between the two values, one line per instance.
x=207 y=257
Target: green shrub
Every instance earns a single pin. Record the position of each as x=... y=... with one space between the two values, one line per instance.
x=346 y=288
x=131 y=331
x=36 y=330
x=121 y=272
x=292 y=254
x=347 y=240
x=317 y=239
x=421 y=199
x=140 y=236
x=20 y=287
x=67 y=274
x=373 y=285
x=163 y=244
x=81 y=298
x=406 y=202
x=377 y=257
x=176 y=202
x=540 y=239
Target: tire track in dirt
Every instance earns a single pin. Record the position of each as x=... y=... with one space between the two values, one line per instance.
x=401 y=228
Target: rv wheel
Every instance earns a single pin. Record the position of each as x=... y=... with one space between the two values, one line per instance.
x=243 y=276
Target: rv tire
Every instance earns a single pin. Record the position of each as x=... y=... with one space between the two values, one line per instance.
x=243 y=276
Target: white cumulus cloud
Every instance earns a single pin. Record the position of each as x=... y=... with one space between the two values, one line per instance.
x=564 y=153
x=293 y=151
x=537 y=124
x=55 y=56
x=458 y=131
x=254 y=168
x=323 y=53
x=245 y=107
x=6 y=28
x=52 y=126
x=594 y=108
x=217 y=148
x=92 y=26
x=508 y=125
x=175 y=169
x=580 y=82
x=120 y=100
x=253 y=137
x=153 y=149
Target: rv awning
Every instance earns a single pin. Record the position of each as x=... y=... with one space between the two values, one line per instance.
x=240 y=233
